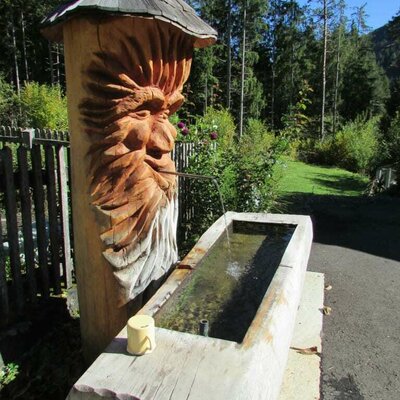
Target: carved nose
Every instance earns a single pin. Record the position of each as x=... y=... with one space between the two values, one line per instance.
x=162 y=139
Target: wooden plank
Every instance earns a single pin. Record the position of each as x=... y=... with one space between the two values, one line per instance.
x=26 y=207
x=53 y=217
x=70 y=205
x=302 y=374
x=39 y=199
x=101 y=318
x=12 y=228
x=4 y=304
x=62 y=168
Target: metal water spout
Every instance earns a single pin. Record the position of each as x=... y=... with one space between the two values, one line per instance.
x=216 y=184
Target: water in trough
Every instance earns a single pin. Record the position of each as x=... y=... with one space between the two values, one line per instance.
x=227 y=287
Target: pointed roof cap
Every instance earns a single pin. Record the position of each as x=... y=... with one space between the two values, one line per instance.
x=176 y=12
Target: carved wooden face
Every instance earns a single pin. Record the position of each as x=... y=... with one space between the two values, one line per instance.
x=134 y=84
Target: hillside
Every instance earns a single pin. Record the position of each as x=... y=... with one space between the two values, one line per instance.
x=387 y=49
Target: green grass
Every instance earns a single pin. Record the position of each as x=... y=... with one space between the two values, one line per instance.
x=298 y=177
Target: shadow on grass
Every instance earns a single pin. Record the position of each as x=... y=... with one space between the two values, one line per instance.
x=369 y=225
x=353 y=184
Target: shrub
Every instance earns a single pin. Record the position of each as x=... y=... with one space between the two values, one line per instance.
x=391 y=147
x=43 y=106
x=355 y=147
x=7 y=103
x=244 y=169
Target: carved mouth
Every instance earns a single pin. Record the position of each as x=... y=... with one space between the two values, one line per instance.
x=154 y=153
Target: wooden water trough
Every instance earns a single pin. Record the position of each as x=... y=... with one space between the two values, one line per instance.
x=188 y=366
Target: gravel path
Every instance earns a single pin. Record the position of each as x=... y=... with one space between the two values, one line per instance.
x=357 y=246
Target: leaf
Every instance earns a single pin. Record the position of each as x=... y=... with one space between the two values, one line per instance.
x=310 y=351
x=328 y=287
x=327 y=310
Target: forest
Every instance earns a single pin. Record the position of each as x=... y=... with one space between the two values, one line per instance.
x=310 y=82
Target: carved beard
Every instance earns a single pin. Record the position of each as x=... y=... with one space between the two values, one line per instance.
x=133 y=86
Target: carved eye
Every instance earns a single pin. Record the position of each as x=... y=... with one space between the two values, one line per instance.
x=142 y=114
x=174 y=106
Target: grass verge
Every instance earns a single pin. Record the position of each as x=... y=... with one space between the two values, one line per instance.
x=300 y=178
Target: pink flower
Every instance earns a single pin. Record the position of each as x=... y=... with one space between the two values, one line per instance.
x=185 y=131
x=181 y=125
x=213 y=135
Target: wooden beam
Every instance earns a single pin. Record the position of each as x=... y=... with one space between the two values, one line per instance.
x=100 y=317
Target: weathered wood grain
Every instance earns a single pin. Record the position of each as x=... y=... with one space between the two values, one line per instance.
x=132 y=85
x=26 y=212
x=175 y=12
x=101 y=319
x=191 y=367
x=53 y=217
x=4 y=303
x=12 y=227
x=40 y=219
x=63 y=190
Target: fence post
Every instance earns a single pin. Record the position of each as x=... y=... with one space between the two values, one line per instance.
x=27 y=137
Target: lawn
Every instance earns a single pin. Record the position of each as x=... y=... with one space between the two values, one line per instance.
x=298 y=177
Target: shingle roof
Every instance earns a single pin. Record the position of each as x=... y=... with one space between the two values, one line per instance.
x=177 y=12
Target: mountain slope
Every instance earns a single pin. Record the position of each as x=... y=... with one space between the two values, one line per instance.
x=387 y=48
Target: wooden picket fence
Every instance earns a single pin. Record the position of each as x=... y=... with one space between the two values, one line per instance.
x=181 y=155
x=36 y=243
x=35 y=218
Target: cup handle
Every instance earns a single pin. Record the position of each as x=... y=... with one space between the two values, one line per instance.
x=150 y=342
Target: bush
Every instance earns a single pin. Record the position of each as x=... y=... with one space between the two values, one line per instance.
x=391 y=147
x=355 y=147
x=7 y=103
x=43 y=106
x=244 y=169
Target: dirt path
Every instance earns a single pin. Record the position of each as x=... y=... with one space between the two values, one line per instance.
x=357 y=246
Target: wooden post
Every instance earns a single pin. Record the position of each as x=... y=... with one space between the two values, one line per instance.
x=124 y=76
x=100 y=317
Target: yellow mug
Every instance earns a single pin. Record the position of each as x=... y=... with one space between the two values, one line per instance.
x=141 y=335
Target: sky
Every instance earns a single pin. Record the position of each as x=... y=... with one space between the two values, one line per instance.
x=380 y=11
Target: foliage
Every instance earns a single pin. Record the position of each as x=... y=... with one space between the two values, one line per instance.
x=367 y=88
x=386 y=42
x=7 y=374
x=355 y=147
x=243 y=169
x=41 y=374
x=44 y=106
x=390 y=147
x=7 y=102
x=296 y=122
x=29 y=54
x=357 y=144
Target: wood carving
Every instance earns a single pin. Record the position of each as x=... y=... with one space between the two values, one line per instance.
x=133 y=84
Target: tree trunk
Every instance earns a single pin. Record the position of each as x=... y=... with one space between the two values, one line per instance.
x=322 y=129
x=15 y=55
x=229 y=61
x=243 y=72
x=206 y=94
x=51 y=65
x=24 y=47
x=58 y=63
x=335 y=99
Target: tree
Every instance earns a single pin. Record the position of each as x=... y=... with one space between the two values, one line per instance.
x=324 y=54
x=365 y=86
